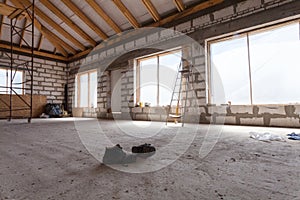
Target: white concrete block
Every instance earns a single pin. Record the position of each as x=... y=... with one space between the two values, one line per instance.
x=241 y=109
x=224 y=12
x=244 y=5
x=285 y=122
x=252 y=121
x=272 y=109
x=184 y=26
x=201 y=20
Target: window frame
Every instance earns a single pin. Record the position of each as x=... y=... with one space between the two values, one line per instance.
x=237 y=34
x=138 y=70
x=8 y=78
x=77 y=88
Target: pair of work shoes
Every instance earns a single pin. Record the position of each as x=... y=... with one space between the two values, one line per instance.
x=116 y=155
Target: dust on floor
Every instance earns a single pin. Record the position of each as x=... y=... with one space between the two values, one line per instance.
x=47 y=160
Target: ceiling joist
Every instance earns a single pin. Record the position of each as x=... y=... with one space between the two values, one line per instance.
x=68 y=21
x=56 y=41
x=104 y=16
x=53 y=24
x=187 y=12
x=151 y=9
x=85 y=19
x=127 y=13
x=179 y=5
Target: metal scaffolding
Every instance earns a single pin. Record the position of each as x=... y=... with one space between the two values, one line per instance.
x=26 y=66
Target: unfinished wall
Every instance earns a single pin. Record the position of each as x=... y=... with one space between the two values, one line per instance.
x=49 y=77
x=200 y=27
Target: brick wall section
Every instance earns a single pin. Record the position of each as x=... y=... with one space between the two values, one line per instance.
x=127 y=89
x=103 y=94
x=49 y=77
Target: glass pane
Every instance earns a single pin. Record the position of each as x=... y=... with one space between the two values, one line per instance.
x=275 y=65
x=230 y=72
x=148 y=81
x=3 y=80
x=93 y=90
x=17 y=82
x=83 y=90
x=168 y=67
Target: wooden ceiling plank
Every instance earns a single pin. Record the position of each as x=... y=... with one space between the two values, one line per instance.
x=53 y=24
x=50 y=36
x=68 y=21
x=151 y=9
x=84 y=18
x=127 y=13
x=179 y=5
x=104 y=15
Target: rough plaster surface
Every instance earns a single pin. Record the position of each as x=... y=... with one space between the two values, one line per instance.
x=46 y=160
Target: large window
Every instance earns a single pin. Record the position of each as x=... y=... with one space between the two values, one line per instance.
x=256 y=67
x=86 y=87
x=155 y=77
x=5 y=81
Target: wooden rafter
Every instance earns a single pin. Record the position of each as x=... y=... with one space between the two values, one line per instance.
x=40 y=42
x=23 y=32
x=53 y=24
x=56 y=41
x=84 y=18
x=68 y=21
x=127 y=13
x=179 y=5
x=162 y=22
x=187 y=12
x=151 y=9
x=37 y=53
x=2 y=19
x=104 y=16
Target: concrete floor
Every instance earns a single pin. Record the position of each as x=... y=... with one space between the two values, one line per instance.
x=60 y=159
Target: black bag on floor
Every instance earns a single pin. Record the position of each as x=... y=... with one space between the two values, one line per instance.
x=53 y=110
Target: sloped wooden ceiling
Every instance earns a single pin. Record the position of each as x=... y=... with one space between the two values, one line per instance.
x=65 y=29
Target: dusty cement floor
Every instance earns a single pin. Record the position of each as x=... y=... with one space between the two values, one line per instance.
x=47 y=160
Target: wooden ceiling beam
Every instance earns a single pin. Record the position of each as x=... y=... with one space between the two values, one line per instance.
x=53 y=24
x=104 y=16
x=56 y=41
x=162 y=22
x=127 y=13
x=38 y=53
x=179 y=5
x=187 y=12
x=85 y=19
x=23 y=32
x=11 y=11
x=151 y=9
x=40 y=42
x=2 y=19
x=68 y=21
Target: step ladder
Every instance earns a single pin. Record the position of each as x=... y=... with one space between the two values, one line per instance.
x=177 y=95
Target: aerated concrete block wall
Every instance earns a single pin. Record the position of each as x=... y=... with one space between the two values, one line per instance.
x=200 y=27
x=49 y=77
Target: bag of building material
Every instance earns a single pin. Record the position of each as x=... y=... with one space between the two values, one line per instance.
x=144 y=150
x=266 y=137
x=53 y=110
x=116 y=155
